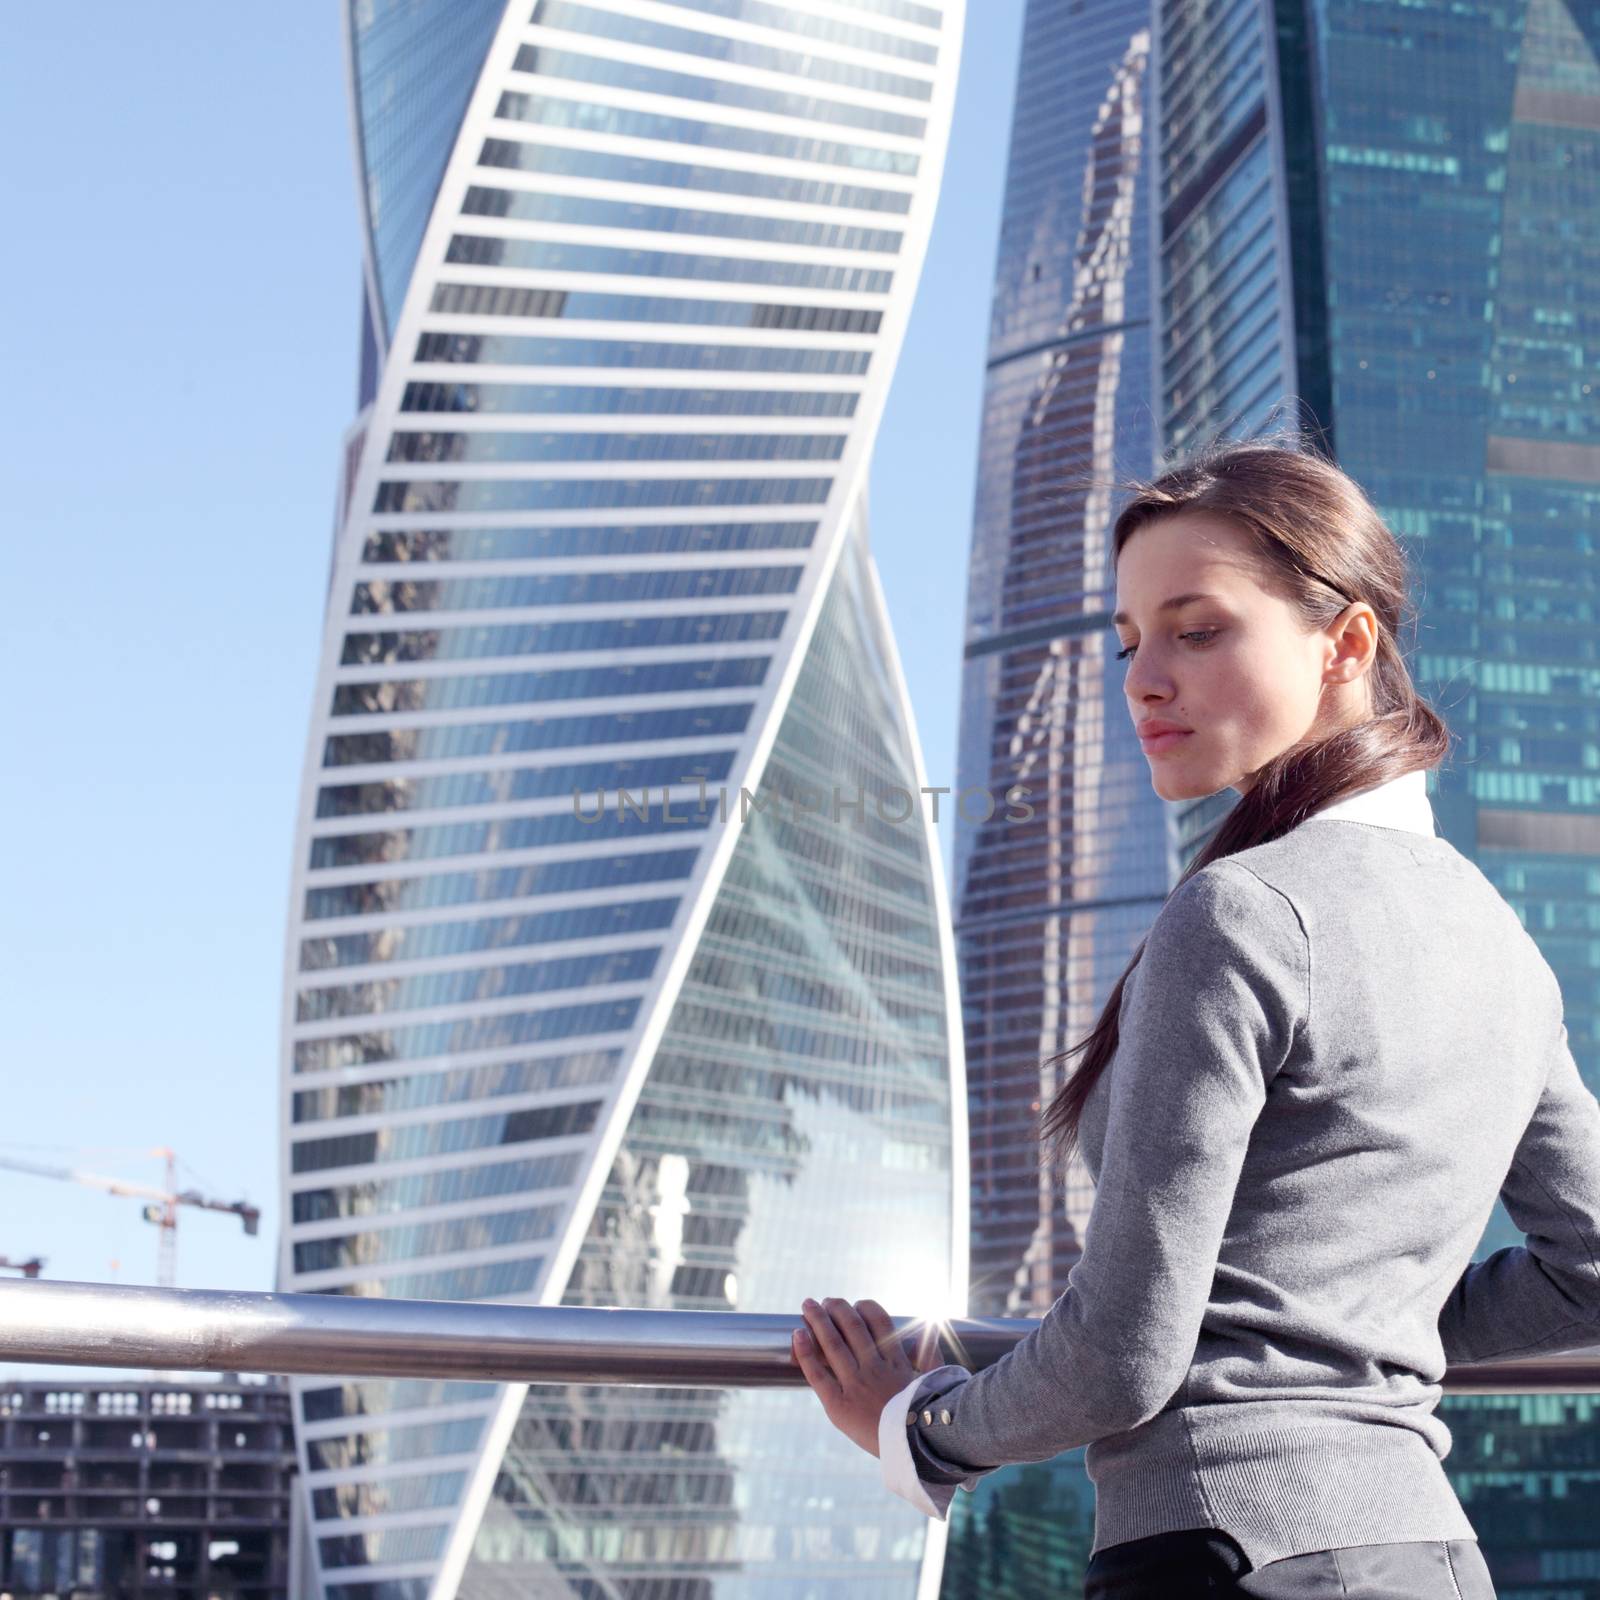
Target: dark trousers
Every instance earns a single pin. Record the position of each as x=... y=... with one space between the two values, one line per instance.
x=1206 y=1561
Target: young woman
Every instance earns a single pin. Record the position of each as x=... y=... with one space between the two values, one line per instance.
x=1334 y=1048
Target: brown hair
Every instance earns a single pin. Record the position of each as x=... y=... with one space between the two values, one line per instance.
x=1322 y=545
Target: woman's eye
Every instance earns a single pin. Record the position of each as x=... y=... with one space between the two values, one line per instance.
x=1203 y=636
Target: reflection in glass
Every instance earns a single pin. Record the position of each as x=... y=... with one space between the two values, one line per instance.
x=798 y=1103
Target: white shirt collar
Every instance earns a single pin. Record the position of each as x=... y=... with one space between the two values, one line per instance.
x=1397 y=803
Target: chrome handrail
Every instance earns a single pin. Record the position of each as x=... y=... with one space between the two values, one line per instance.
x=219 y=1330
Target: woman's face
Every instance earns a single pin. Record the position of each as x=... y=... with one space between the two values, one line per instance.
x=1236 y=668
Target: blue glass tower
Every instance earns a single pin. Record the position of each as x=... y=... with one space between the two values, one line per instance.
x=1048 y=910
x=1378 y=221
x=619 y=970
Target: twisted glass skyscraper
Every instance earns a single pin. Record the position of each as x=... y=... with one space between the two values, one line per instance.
x=1378 y=220
x=618 y=971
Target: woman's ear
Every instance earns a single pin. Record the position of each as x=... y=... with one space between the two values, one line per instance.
x=1355 y=640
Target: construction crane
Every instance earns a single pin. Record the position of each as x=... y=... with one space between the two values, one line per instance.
x=163 y=1210
x=30 y=1268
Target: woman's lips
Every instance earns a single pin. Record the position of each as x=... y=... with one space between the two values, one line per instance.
x=1156 y=743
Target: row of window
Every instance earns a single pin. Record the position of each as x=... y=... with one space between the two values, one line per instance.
x=459 y=1437
x=510 y=1030
x=617 y=587
x=902 y=11
x=401 y=695
x=851 y=903
x=388 y=1589
x=431 y=447
x=583 y=820
x=685 y=1556
x=418 y=1140
x=543 y=61
x=1224 y=387
x=771 y=928
x=431 y=991
x=383 y=1545
x=718 y=1135
x=426 y=495
x=813 y=839
x=557 y=1169
x=1229 y=226
x=502 y=300
x=1220 y=291
x=1189 y=43
x=1206 y=229
x=572 y=17
x=495 y=1080
x=736 y=1138
x=1520 y=677
x=1550 y=833
x=431 y=941
x=379 y=1395
x=764 y=14
x=541 y=255
x=1209 y=72
x=505 y=785
x=484 y=1282
x=541 y=350
x=452 y=1236
x=758 y=980
x=740 y=1081
x=590 y=116
x=1228 y=349
x=421 y=1491
x=541 y=638
x=561 y=876
x=1204 y=325
x=538 y=544
x=524 y=205
x=751 y=1031
x=55 y=1560
x=610 y=166
x=555 y=399
x=638 y=1429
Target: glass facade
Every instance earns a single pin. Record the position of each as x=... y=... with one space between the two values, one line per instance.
x=588 y=998
x=798 y=1108
x=414 y=63
x=1048 y=909
x=1465 y=400
x=1445 y=362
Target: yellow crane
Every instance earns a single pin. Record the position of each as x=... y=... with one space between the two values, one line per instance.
x=162 y=1209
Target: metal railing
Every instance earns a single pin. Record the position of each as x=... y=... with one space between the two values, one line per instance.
x=209 y=1330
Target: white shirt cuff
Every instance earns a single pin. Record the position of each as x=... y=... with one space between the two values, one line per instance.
x=894 y=1452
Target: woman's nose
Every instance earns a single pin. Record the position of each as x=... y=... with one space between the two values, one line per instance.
x=1145 y=681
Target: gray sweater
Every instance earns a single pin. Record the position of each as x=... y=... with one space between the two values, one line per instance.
x=1336 y=1050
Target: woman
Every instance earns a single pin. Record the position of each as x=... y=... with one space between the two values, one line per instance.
x=1334 y=1047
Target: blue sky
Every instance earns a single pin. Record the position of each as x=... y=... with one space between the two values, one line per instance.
x=182 y=281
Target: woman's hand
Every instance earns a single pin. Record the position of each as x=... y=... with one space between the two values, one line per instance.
x=854 y=1360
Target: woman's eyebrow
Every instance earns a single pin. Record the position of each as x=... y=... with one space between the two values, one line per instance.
x=1166 y=605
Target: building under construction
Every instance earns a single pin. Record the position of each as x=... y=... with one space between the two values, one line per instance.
x=114 y=1491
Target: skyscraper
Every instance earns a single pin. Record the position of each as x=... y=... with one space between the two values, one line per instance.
x=1378 y=222
x=1396 y=222
x=618 y=971
x=1048 y=910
